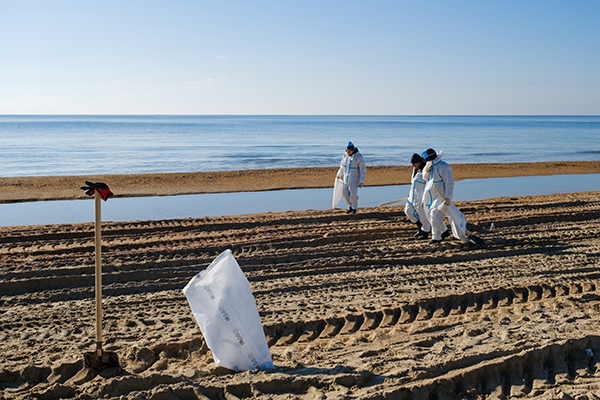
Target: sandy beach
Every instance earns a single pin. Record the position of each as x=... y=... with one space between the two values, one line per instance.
x=353 y=307
x=17 y=189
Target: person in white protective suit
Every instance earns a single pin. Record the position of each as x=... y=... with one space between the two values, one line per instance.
x=414 y=204
x=438 y=193
x=353 y=173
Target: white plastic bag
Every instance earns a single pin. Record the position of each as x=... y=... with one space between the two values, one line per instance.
x=458 y=222
x=224 y=308
x=338 y=186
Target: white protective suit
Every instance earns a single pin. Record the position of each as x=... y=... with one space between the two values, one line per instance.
x=414 y=204
x=353 y=172
x=440 y=185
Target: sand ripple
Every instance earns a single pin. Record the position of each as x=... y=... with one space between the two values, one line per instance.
x=352 y=306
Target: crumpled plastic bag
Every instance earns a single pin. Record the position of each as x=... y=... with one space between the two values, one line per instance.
x=458 y=223
x=222 y=304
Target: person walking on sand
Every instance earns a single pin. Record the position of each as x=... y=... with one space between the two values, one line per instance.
x=353 y=173
x=414 y=204
x=437 y=194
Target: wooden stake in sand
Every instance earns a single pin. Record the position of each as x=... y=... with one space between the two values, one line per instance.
x=99 y=359
x=98 y=245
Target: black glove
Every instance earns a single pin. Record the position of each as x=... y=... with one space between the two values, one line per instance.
x=101 y=187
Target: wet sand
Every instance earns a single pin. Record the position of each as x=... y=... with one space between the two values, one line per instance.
x=17 y=189
x=353 y=307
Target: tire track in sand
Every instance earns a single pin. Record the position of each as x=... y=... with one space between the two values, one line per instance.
x=352 y=306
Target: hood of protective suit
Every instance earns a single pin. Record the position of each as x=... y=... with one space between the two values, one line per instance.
x=429 y=164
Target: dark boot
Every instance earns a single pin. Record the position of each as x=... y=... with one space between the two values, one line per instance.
x=445 y=234
x=419 y=232
x=350 y=211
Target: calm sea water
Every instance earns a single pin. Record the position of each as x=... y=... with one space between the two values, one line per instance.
x=35 y=145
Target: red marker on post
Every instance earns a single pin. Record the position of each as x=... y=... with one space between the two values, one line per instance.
x=99 y=360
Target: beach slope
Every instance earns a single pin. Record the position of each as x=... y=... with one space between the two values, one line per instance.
x=353 y=307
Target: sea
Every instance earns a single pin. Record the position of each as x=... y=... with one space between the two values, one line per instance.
x=43 y=145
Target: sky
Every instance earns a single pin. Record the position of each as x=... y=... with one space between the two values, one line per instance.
x=323 y=57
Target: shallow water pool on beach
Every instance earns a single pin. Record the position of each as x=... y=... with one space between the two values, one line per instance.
x=219 y=204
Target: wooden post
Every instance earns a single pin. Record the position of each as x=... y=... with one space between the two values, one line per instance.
x=98 y=239
x=99 y=360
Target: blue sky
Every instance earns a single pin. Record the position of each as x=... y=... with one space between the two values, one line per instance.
x=300 y=57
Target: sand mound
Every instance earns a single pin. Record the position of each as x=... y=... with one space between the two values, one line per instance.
x=353 y=307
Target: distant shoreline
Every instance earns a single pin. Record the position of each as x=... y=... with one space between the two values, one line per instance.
x=40 y=188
